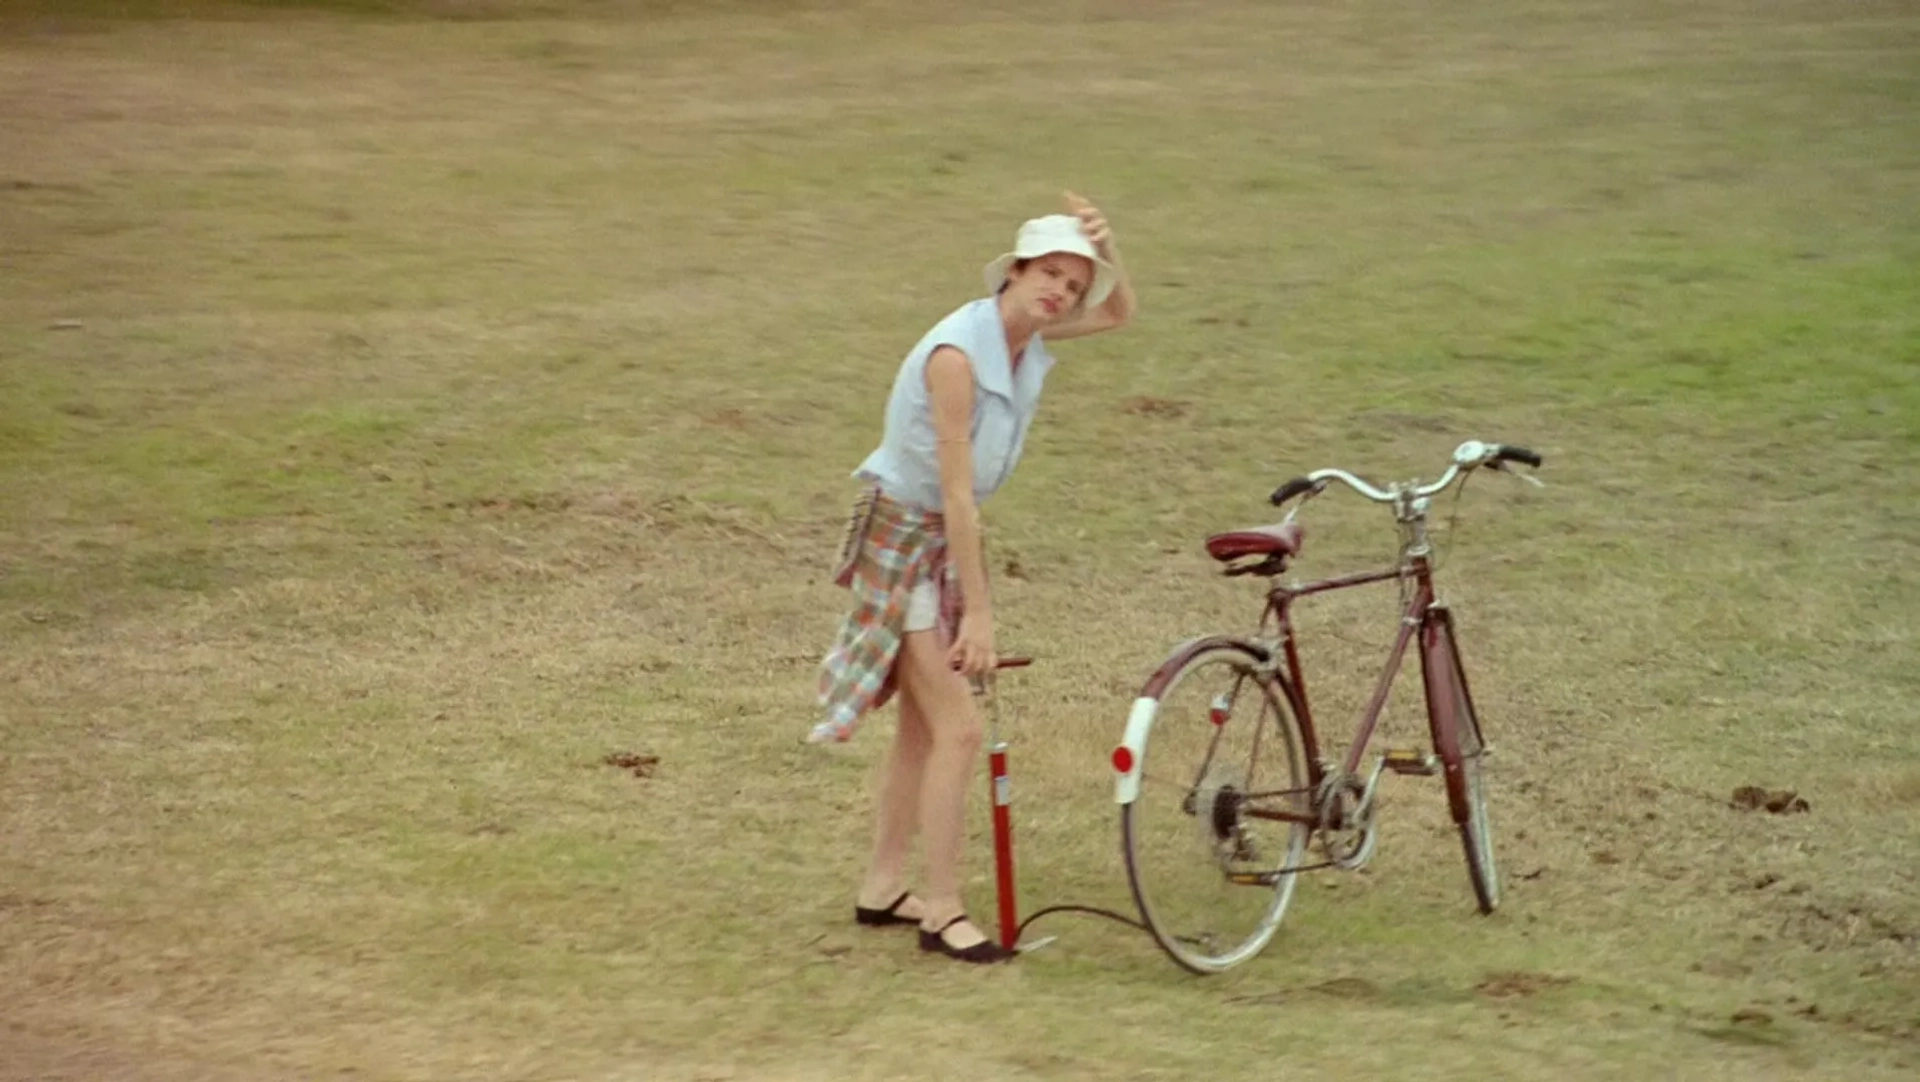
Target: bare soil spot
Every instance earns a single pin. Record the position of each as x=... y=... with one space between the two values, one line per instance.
x=730 y=418
x=1823 y=927
x=539 y=501
x=1149 y=406
x=1260 y=999
x=1777 y=801
x=1511 y=983
x=1348 y=988
x=640 y=766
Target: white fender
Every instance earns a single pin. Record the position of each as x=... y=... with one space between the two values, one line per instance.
x=1126 y=784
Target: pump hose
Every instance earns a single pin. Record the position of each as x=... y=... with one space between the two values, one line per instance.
x=1095 y=910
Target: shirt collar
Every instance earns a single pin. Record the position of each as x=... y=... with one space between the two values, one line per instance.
x=994 y=369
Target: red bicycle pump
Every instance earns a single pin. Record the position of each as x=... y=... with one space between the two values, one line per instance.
x=1002 y=806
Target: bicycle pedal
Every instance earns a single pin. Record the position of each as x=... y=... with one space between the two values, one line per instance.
x=1411 y=761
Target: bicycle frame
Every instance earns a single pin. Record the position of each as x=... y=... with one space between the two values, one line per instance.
x=1419 y=609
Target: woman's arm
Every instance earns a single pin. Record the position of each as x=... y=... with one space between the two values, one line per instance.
x=950 y=387
x=1117 y=310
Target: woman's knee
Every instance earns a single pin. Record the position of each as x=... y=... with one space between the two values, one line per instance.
x=940 y=696
x=960 y=731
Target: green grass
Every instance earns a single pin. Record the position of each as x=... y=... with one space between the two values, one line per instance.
x=405 y=406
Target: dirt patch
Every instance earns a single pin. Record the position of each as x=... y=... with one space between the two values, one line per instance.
x=1348 y=988
x=1777 y=801
x=544 y=501
x=640 y=766
x=1823 y=927
x=1509 y=984
x=1149 y=406
x=736 y=419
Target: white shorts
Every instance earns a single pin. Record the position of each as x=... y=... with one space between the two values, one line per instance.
x=923 y=607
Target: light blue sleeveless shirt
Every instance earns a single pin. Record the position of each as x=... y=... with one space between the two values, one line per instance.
x=905 y=465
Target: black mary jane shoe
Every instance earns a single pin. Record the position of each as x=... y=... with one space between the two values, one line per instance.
x=880 y=918
x=983 y=952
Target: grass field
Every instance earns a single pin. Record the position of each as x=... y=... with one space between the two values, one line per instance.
x=404 y=407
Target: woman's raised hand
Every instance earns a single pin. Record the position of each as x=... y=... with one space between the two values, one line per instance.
x=1092 y=222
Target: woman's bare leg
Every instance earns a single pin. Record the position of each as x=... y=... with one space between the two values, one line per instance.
x=945 y=704
x=896 y=811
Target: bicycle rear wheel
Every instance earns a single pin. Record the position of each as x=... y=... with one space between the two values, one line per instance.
x=1220 y=745
x=1457 y=743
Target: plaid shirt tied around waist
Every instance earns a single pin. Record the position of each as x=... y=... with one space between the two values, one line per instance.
x=889 y=548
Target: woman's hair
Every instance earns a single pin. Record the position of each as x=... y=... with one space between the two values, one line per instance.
x=1016 y=265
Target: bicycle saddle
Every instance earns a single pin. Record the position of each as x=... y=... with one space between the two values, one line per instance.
x=1281 y=540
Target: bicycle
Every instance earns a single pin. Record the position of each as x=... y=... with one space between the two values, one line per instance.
x=1188 y=768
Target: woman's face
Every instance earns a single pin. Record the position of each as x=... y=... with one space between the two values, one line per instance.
x=1049 y=287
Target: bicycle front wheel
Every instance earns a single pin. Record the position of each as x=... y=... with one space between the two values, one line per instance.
x=1219 y=751
x=1457 y=743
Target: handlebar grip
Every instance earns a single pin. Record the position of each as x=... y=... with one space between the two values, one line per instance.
x=1510 y=453
x=1289 y=490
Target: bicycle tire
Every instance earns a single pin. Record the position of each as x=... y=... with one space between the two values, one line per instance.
x=1457 y=743
x=1187 y=815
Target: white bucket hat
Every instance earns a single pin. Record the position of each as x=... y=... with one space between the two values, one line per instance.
x=1054 y=233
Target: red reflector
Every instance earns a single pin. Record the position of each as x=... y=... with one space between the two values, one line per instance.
x=1123 y=759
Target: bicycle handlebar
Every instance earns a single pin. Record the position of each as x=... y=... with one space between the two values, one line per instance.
x=1468 y=456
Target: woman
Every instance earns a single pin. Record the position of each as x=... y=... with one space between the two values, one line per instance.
x=922 y=622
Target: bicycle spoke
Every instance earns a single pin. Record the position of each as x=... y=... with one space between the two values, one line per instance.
x=1213 y=880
